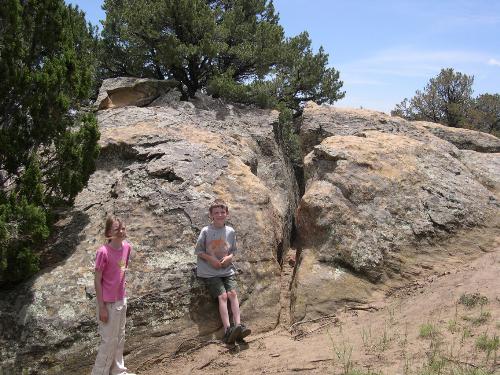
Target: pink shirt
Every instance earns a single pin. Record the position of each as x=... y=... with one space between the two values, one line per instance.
x=112 y=262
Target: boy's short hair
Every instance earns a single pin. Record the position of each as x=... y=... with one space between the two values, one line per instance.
x=218 y=203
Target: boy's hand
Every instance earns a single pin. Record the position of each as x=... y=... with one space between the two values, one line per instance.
x=215 y=263
x=226 y=261
x=103 y=314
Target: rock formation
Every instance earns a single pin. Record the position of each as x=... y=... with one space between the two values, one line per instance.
x=159 y=168
x=379 y=192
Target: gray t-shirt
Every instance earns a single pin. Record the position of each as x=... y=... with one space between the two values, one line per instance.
x=218 y=242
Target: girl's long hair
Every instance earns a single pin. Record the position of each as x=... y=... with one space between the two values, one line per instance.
x=110 y=220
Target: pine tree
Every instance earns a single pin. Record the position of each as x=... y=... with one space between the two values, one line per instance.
x=445 y=99
x=47 y=68
x=302 y=76
x=485 y=114
x=229 y=48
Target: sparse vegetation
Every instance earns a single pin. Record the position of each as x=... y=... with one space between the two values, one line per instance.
x=448 y=345
x=428 y=330
x=471 y=300
x=487 y=344
x=483 y=317
x=453 y=326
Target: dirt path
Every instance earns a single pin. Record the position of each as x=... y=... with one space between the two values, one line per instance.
x=421 y=327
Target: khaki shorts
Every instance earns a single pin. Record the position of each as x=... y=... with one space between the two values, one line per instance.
x=219 y=285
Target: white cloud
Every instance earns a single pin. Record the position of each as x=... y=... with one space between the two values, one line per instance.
x=423 y=57
x=386 y=77
x=411 y=62
x=493 y=62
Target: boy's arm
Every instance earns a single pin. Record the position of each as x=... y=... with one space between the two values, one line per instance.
x=227 y=260
x=200 y=251
x=103 y=312
x=213 y=261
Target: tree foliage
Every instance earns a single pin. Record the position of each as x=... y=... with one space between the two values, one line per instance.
x=485 y=113
x=445 y=99
x=229 y=48
x=49 y=147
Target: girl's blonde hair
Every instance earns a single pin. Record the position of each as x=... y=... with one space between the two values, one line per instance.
x=110 y=220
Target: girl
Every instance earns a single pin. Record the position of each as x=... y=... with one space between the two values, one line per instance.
x=110 y=266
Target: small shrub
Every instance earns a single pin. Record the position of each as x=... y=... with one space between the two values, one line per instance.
x=435 y=366
x=427 y=330
x=481 y=319
x=486 y=344
x=466 y=333
x=471 y=300
x=453 y=326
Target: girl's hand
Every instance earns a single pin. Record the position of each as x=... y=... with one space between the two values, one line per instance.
x=103 y=314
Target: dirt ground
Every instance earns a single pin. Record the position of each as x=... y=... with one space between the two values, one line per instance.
x=445 y=322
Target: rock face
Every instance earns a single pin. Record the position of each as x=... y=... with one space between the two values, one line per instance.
x=320 y=122
x=159 y=169
x=125 y=91
x=379 y=191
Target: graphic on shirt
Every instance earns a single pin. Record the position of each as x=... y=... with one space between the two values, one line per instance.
x=122 y=265
x=219 y=248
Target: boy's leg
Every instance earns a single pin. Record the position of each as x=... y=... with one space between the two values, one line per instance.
x=230 y=286
x=118 y=366
x=235 y=306
x=224 y=313
x=217 y=290
x=109 y=341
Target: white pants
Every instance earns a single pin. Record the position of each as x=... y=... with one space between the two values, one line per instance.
x=110 y=355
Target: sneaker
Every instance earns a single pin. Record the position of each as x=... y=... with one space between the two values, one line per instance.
x=244 y=332
x=232 y=333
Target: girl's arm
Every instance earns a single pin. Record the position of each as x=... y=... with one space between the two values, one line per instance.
x=103 y=312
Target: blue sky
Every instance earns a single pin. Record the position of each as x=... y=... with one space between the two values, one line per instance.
x=385 y=50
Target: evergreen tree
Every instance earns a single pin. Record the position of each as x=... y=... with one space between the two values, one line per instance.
x=485 y=114
x=445 y=99
x=47 y=68
x=302 y=76
x=230 y=48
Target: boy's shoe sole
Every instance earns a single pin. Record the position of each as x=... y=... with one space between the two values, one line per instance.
x=233 y=334
x=244 y=332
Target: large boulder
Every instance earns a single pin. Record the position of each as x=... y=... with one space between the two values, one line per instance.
x=159 y=169
x=379 y=193
x=320 y=122
x=129 y=91
x=464 y=139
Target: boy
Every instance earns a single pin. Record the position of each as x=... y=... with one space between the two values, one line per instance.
x=215 y=249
